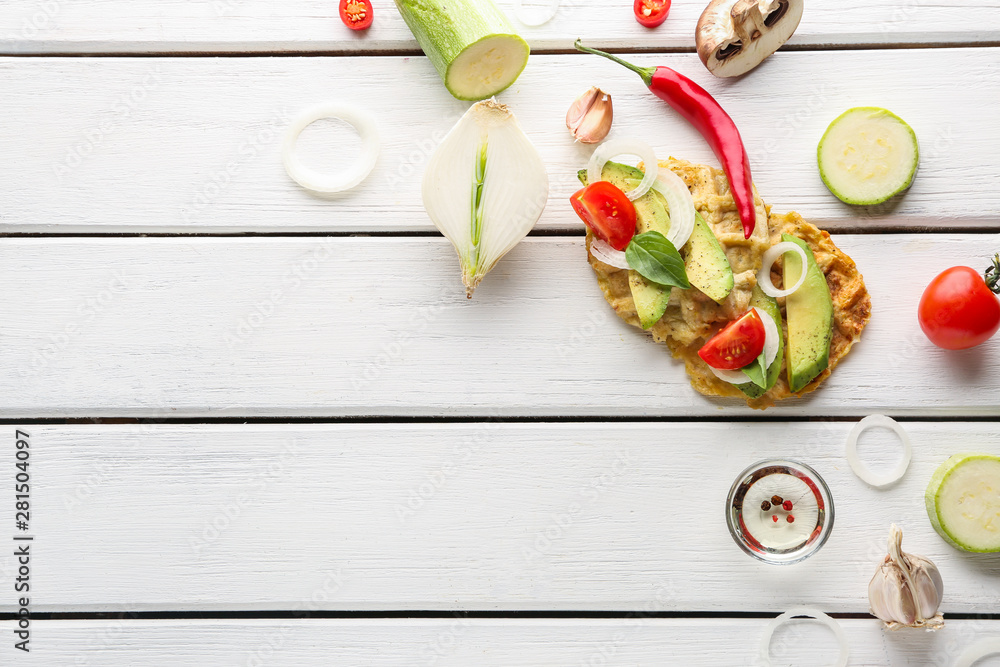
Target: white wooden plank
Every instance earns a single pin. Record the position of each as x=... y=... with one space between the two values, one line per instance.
x=161 y=327
x=120 y=26
x=193 y=145
x=480 y=516
x=637 y=642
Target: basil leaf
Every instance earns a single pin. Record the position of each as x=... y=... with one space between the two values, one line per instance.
x=757 y=371
x=657 y=260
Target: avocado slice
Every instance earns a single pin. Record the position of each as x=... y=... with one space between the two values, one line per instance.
x=767 y=304
x=809 y=313
x=706 y=263
x=650 y=298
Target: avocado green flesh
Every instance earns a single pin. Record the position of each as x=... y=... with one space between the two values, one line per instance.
x=705 y=261
x=809 y=314
x=963 y=502
x=767 y=304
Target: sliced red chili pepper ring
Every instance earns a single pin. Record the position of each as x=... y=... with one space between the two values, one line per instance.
x=356 y=14
x=651 y=13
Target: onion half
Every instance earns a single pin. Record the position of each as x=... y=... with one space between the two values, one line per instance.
x=609 y=149
x=816 y=614
x=764 y=275
x=771 y=342
x=317 y=181
x=603 y=251
x=860 y=469
x=680 y=205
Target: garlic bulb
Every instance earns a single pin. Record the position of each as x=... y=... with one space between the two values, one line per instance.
x=589 y=117
x=906 y=590
x=484 y=187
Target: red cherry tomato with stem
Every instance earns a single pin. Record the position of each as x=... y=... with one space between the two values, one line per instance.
x=738 y=344
x=356 y=14
x=651 y=13
x=607 y=212
x=958 y=309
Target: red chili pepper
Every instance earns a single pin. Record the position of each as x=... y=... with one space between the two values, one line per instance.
x=701 y=110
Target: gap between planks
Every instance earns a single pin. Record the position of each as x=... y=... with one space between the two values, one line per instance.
x=473 y=419
x=417 y=613
x=869 y=230
x=381 y=53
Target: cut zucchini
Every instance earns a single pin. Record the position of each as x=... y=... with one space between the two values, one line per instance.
x=470 y=42
x=963 y=502
x=867 y=156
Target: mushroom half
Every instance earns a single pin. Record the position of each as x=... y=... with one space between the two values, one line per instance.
x=734 y=36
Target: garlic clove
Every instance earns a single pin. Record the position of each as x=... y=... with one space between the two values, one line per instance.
x=929 y=588
x=580 y=106
x=589 y=118
x=888 y=597
x=597 y=122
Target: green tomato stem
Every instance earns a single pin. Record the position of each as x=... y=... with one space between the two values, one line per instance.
x=992 y=275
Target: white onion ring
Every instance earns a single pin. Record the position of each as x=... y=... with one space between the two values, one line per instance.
x=860 y=469
x=317 y=181
x=773 y=253
x=978 y=651
x=816 y=614
x=602 y=251
x=615 y=147
x=772 y=337
x=680 y=205
x=771 y=342
x=525 y=17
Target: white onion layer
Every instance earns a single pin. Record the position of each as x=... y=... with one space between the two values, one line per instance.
x=771 y=342
x=317 y=181
x=772 y=337
x=602 y=250
x=764 y=275
x=536 y=18
x=732 y=377
x=816 y=614
x=609 y=149
x=680 y=205
x=978 y=651
x=860 y=469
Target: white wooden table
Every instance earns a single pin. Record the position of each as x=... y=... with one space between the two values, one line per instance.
x=267 y=428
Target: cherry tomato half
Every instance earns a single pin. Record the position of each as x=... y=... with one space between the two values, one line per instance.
x=356 y=14
x=958 y=310
x=651 y=13
x=738 y=344
x=607 y=212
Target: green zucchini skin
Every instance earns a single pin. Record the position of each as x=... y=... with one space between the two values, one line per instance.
x=446 y=28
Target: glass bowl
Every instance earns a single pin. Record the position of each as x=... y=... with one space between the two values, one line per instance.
x=779 y=511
